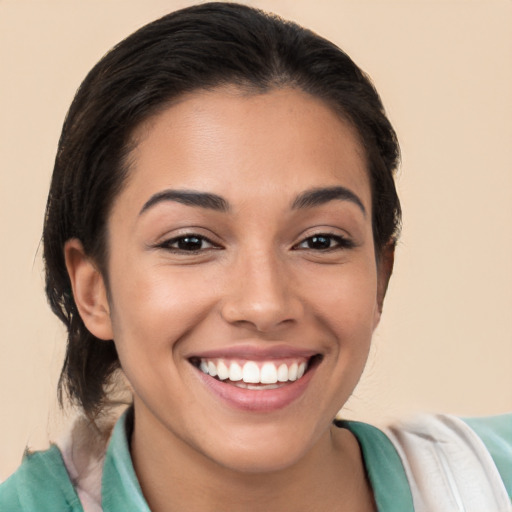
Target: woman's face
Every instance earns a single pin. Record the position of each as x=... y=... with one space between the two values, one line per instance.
x=242 y=246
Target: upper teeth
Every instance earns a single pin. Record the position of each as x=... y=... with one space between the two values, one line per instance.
x=253 y=372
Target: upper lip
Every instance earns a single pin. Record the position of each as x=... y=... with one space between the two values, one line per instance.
x=254 y=352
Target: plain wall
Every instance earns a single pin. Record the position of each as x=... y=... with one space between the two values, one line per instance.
x=444 y=71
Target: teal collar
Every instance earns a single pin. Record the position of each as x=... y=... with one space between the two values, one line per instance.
x=383 y=467
x=121 y=489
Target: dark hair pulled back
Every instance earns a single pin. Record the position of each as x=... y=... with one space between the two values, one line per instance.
x=199 y=47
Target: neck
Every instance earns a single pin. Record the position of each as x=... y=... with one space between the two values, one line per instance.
x=175 y=477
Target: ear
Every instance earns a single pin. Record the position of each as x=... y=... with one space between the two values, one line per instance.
x=384 y=270
x=89 y=290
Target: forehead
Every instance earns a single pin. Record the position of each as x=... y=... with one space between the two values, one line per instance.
x=231 y=142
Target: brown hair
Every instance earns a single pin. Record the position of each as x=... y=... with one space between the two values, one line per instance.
x=198 y=47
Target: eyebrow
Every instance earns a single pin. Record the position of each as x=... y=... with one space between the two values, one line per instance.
x=320 y=196
x=189 y=198
x=307 y=199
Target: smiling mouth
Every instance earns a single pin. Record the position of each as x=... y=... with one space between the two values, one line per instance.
x=256 y=375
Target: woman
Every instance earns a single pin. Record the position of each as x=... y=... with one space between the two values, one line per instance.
x=221 y=226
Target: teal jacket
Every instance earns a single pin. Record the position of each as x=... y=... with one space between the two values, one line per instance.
x=42 y=483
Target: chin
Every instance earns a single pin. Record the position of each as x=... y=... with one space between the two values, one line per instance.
x=264 y=448
x=262 y=461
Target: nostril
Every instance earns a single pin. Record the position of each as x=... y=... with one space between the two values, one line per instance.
x=263 y=299
x=260 y=317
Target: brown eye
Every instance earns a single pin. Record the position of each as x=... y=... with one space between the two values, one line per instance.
x=188 y=243
x=319 y=242
x=325 y=242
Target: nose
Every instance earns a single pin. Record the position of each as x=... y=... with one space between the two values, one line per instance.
x=262 y=295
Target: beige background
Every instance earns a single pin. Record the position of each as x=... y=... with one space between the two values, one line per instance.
x=444 y=70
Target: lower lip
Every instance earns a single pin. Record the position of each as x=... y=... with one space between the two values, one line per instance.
x=264 y=400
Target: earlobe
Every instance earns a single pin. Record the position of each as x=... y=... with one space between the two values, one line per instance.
x=384 y=271
x=89 y=290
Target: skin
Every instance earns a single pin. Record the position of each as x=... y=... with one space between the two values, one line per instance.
x=258 y=282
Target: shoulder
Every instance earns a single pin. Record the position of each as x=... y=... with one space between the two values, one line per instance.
x=41 y=483
x=496 y=434
x=457 y=461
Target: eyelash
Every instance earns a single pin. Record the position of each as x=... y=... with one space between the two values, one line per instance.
x=340 y=242
x=168 y=244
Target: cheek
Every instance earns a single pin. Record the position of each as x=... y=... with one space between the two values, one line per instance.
x=153 y=309
x=347 y=296
x=152 y=315
x=346 y=303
